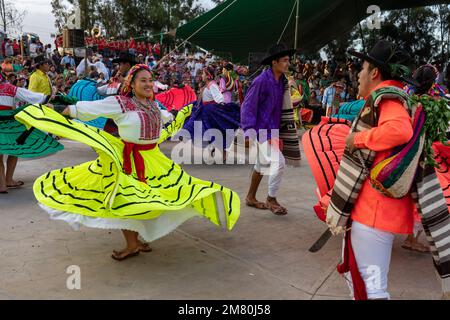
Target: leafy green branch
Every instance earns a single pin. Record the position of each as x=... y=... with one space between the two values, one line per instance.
x=437 y=118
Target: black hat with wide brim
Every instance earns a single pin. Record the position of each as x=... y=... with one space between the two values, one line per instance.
x=277 y=51
x=389 y=58
x=125 y=57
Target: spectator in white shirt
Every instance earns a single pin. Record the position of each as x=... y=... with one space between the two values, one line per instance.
x=197 y=68
x=33 y=49
x=48 y=51
x=191 y=64
x=81 y=69
x=101 y=68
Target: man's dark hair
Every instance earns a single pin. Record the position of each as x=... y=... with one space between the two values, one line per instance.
x=384 y=74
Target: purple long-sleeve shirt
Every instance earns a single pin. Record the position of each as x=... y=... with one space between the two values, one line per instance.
x=262 y=106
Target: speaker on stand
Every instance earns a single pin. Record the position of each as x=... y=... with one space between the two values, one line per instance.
x=73 y=38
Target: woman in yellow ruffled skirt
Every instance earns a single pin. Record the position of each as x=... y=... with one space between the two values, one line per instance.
x=132 y=185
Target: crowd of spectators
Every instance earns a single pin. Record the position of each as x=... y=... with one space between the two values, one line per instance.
x=322 y=83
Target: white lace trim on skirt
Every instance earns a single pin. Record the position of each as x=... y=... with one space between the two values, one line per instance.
x=149 y=230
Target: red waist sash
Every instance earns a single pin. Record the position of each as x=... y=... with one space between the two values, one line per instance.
x=138 y=160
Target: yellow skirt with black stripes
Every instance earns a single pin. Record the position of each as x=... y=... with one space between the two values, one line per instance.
x=99 y=194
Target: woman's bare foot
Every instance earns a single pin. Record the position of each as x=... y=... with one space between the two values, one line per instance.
x=14 y=184
x=3 y=187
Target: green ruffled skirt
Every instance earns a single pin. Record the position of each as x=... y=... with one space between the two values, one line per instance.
x=37 y=144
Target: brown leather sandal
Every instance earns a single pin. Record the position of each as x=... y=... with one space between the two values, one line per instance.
x=131 y=254
x=145 y=247
x=256 y=204
x=276 y=209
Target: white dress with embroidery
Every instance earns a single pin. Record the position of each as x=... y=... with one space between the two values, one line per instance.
x=100 y=194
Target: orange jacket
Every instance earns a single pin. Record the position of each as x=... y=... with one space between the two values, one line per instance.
x=372 y=208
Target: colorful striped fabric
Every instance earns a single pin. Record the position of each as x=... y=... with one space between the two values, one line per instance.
x=288 y=130
x=353 y=167
x=394 y=176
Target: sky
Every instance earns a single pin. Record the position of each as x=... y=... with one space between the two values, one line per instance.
x=40 y=20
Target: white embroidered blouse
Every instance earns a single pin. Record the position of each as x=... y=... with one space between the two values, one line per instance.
x=11 y=96
x=212 y=93
x=137 y=124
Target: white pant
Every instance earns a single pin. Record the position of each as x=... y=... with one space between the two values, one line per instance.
x=270 y=161
x=372 y=249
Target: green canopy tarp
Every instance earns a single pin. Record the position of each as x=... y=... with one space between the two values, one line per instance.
x=244 y=26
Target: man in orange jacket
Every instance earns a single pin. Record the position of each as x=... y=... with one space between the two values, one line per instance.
x=376 y=217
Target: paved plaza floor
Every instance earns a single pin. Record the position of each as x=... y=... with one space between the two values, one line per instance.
x=264 y=257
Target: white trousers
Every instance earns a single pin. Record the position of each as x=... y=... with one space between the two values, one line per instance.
x=372 y=249
x=270 y=161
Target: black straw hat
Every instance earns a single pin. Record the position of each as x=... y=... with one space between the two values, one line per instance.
x=390 y=58
x=277 y=51
x=125 y=57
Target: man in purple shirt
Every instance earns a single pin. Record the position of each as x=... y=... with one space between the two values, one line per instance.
x=260 y=120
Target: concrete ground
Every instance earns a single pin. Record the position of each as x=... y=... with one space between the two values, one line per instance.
x=264 y=257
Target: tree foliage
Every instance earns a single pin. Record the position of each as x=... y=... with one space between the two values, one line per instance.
x=11 y=19
x=61 y=12
x=129 y=18
x=422 y=31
